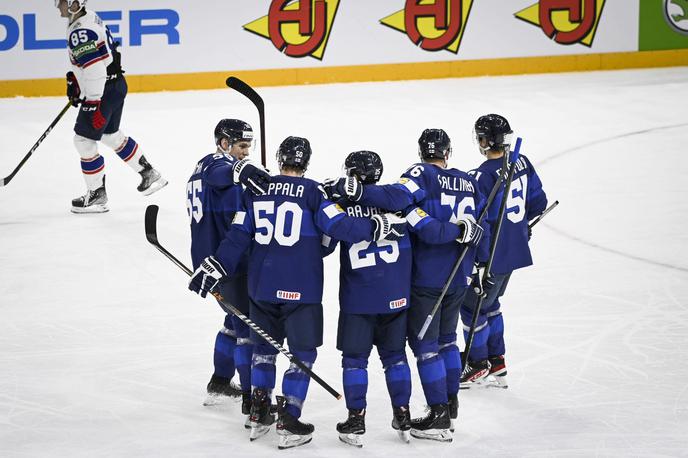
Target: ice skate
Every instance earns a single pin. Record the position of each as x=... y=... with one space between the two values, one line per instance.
x=401 y=422
x=261 y=418
x=497 y=375
x=474 y=374
x=151 y=180
x=453 y=411
x=434 y=426
x=291 y=431
x=92 y=202
x=221 y=389
x=246 y=408
x=352 y=430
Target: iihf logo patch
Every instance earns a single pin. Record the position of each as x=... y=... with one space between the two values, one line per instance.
x=397 y=304
x=288 y=295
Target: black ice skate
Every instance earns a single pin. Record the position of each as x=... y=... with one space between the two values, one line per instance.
x=401 y=422
x=220 y=389
x=92 y=202
x=434 y=426
x=246 y=408
x=453 y=410
x=261 y=417
x=352 y=430
x=498 y=371
x=151 y=180
x=474 y=374
x=291 y=431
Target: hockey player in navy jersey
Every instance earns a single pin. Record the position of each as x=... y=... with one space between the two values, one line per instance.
x=526 y=200
x=443 y=204
x=97 y=83
x=374 y=296
x=213 y=196
x=283 y=230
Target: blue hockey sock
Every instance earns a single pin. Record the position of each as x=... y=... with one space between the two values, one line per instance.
x=295 y=382
x=263 y=367
x=452 y=362
x=398 y=377
x=433 y=375
x=355 y=380
x=495 y=342
x=223 y=356
x=242 y=357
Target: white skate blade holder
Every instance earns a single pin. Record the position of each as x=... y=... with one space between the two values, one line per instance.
x=288 y=440
x=258 y=431
x=355 y=440
x=440 y=435
x=404 y=436
x=95 y=208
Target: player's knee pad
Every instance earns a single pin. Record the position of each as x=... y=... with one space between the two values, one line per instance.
x=423 y=348
x=355 y=360
x=392 y=358
x=87 y=148
x=115 y=141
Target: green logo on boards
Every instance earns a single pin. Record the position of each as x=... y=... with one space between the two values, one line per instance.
x=663 y=25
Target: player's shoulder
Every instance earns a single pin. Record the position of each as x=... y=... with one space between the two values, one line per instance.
x=86 y=32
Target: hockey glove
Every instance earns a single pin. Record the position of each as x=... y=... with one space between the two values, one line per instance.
x=351 y=188
x=206 y=278
x=470 y=232
x=388 y=227
x=251 y=175
x=73 y=89
x=330 y=188
x=92 y=109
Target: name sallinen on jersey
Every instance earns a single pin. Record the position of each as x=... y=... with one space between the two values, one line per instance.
x=285 y=189
x=288 y=295
x=362 y=212
x=455 y=184
x=397 y=304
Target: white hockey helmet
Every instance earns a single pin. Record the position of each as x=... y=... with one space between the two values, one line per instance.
x=82 y=4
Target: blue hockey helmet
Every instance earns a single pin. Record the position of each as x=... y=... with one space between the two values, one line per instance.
x=294 y=152
x=234 y=130
x=365 y=165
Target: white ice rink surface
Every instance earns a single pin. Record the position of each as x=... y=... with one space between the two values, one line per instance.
x=104 y=352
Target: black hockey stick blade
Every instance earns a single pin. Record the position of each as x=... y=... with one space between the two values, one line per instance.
x=543 y=214
x=9 y=177
x=247 y=91
x=150 y=223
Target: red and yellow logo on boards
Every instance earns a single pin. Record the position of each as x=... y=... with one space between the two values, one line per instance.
x=567 y=22
x=297 y=28
x=432 y=25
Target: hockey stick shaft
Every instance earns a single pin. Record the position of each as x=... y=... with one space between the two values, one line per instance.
x=9 y=177
x=483 y=214
x=248 y=92
x=543 y=214
x=152 y=237
x=488 y=267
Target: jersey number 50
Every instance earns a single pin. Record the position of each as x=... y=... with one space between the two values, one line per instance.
x=278 y=230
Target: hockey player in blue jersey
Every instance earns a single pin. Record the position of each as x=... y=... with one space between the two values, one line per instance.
x=526 y=201
x=283 y=230
x=97 y=83
x=443 y=204
x=374 y=296
x=213 y=197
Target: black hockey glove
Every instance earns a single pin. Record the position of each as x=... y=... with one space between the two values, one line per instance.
x=388 y=227
x=348 y=187
x=471 y=232
x=206 y=278
x=73 y=89
x=251 y=175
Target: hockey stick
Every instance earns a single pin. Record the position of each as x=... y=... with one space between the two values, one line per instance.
x=543 y=214
x=152 y=237
x=9 y=177
x=248 y=92
x=493 y=247
x=482 y=216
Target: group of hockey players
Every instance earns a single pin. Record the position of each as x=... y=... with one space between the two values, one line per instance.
x=258 y=242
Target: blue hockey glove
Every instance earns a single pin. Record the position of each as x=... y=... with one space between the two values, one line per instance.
x=471 y=232
x=206 y=278
x=388 y=227
x=251 y=175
